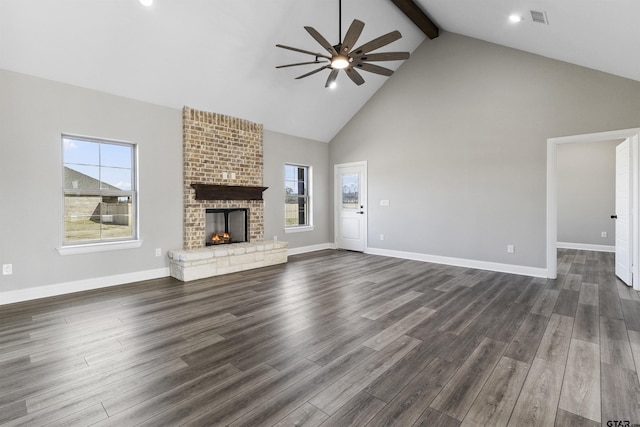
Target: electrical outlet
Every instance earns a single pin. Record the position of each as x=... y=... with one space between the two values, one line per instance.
x=511 y=249
x=233 y=175
x=275 y=238
x=224 y=175
x=158 y=252
x=7 y=269
x=382 y=237
x=603 y=234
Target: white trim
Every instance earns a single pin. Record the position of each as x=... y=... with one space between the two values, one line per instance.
x=461 y=262
x=552 y=185
x=310 y=248
x=299 y=229
x=10 y=297
x=586 y=247
x=98 y=247
x=552 y=210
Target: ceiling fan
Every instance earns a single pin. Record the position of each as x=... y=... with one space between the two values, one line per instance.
x=343 y=56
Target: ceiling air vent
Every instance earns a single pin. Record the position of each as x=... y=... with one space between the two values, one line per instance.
x=539 y=17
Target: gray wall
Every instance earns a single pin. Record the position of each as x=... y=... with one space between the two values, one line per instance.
x=456 y=140
x=279 y=149
x=586 y=192
x=33 y=115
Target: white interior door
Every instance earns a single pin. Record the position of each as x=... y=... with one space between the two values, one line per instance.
x=350 y=201
x=623 y=212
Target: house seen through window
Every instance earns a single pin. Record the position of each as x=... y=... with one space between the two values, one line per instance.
x=99 y=190
x=297 y=196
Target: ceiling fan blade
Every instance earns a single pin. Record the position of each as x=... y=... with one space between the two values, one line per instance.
x=350 y=39
x=384 y=56
x=374 y=69
x=323 y=42
x=308 y=52
x=299 y=63
x=332 y=77
x=377 y=43
x=313 y=72
x=354 y=76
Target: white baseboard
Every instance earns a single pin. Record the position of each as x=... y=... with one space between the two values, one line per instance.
x=311 y=248
x=19 y=295
x=10 y=297
x=585 y=247
x=461 y=262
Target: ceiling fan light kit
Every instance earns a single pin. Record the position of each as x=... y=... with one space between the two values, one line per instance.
x=339 y=62
x=343 y=56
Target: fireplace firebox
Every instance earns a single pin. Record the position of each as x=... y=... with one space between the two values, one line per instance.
x=226 y=226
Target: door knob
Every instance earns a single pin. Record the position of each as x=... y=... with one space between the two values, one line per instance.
x=614 y=216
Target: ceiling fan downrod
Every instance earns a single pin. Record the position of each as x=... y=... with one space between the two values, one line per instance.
x=340 y=22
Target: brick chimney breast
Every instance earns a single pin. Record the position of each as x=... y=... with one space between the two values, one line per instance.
x=214 y=145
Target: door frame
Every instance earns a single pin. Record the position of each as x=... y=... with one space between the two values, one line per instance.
x=552 y=191
x=337 y=200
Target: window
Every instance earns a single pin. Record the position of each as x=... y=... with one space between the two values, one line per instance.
x=297 y=202
x=99 y=191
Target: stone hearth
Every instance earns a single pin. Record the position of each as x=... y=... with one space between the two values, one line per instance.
x=197 y=264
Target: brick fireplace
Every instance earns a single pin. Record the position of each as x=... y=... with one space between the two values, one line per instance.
x=215 y=145
x=223 y=169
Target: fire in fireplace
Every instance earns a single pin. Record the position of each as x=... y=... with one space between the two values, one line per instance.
x=217 y=239
x=226 y=226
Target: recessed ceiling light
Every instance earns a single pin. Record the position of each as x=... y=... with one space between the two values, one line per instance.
x=515 y=18
x=146 y=3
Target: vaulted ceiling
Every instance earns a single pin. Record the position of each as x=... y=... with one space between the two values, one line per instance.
x=220 y=55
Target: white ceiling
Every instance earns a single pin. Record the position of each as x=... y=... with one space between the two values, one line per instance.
x=220 y=55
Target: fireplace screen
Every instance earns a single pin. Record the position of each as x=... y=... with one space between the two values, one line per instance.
x=226 y=226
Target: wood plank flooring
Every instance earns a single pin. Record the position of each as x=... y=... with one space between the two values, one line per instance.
x=332 y=338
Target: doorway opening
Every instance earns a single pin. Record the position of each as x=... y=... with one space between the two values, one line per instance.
x=552 y=192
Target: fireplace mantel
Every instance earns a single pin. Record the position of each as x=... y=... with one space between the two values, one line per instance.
x=227 y=192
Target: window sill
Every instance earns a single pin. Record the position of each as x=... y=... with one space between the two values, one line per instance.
x=300 y=229
x=98 y=247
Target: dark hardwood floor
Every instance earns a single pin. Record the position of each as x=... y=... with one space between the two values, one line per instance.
x=332 y=338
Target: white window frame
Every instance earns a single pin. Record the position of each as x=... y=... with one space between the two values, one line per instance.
x=309 y=184
x=103 y=244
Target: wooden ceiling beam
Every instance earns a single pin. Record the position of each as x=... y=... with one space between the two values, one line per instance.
x=413 y=12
